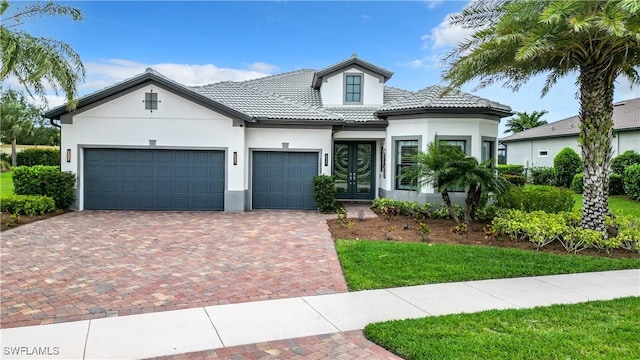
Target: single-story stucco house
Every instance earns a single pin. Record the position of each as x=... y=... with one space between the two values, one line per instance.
x=150 y=143
x=538 y=146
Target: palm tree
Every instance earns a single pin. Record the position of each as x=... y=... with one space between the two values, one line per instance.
x=525 y=121
x=38 y=62
x=17 y=119
x=597 y=40
x=447 y=167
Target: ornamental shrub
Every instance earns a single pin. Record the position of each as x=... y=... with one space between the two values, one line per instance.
x=543 y=175
x=567 y=164
x=616 y=186
x=324 y=192
x=631 y=181
x=577 y=184
x=30 y=205
x=539 y=198
x=622 y=161
x=47 y=181
x=32 y=157
x=517 y=180
x=511 y=169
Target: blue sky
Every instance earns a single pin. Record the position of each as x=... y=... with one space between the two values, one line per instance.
x=204 y=41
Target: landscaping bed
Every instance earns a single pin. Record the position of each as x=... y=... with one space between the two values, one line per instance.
x=9 y=222
x=405 y=229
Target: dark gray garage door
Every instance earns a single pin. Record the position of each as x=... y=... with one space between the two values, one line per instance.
x=126 y=179
x=283 y=180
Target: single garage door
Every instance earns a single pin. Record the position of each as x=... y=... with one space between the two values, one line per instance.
x=283 y=180
x=126 y=179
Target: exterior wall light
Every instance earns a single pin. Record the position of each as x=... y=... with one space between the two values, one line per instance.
x=68 y=155
x=235 y=158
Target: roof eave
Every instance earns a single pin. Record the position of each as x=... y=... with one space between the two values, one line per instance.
x=57 y=112
x=443 y=110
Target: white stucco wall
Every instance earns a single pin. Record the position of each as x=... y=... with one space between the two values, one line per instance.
x=427 y=127
x=520 y=152
x=177 y=123
x=332 y=88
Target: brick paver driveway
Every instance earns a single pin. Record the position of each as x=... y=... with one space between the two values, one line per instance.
x=93 y=264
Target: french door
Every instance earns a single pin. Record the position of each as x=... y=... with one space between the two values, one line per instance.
x=354 y=170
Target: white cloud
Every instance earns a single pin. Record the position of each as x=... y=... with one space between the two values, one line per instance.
x=106 y=72
x=429 y=62
x=262 y=67
x=445 y=35
x=432 y=4
x=366 y=17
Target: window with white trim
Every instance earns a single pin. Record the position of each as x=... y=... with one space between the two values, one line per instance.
x=543 y=153
x=405 y=150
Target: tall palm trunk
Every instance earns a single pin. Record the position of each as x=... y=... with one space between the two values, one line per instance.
x=596 y=132
x=447 y=201
x=14 y=157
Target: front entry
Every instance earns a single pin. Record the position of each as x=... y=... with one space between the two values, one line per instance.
x=354 y=170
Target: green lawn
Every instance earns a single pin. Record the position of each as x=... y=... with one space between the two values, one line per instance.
x=619 y=205
x=380 y=264
x=594 y=330
x=6 y=183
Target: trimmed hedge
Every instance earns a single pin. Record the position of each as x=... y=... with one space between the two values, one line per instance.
x=577 y=184
x=631 y=181
x=622 y=161
x=567 y=164
x=33 y=157
x=517 y=180
x=616 y=185
x=47 y=181
x=30 y=205
x=542 y=175
x=511 y=169
x=542 y=198
x=324 y=192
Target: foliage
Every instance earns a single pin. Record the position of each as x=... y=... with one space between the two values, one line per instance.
x=32 y=157
x=381 y=264
x=590 y=330
x=414 y=209
x=542 y=229
x=4 y=166
x=543 y=198
x=567 y=164
x=324 y=193
x=524 y=121
x=631 y=181
x=577 y=183
x=48 y=181
x=30 y=205
x=447 y=167
x=17 y=114
x=616 y=185
x=511 y=169
x=517 y=180
x=543 y=175
x=514 y=41
x=424 y=230
x=39 y=63
x=620 y=162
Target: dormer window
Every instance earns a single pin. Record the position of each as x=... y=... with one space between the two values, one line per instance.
x=353 y=89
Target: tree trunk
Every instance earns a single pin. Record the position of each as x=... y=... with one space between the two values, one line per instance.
x=471 y=202
x=447 y=201
x=14 y=157
x=596 y=132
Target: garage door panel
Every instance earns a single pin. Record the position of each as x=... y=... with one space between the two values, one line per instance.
x=283 y=180
x=154 y=179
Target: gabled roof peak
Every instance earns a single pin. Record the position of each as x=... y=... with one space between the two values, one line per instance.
x=354 y=60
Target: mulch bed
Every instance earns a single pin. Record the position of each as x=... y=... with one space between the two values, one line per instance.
x=8 y=222
x=405 y=230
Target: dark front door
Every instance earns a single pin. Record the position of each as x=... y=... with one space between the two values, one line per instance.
x=354 y=170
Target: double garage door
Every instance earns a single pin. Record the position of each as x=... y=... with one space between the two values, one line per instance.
x=132 y=179
x=126 y=179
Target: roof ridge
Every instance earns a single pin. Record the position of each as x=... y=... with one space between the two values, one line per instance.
x=268 y=77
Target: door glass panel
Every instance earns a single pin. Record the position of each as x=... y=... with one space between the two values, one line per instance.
x=365 y=168
x=341 y=167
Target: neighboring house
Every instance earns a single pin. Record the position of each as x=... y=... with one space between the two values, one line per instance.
x=151 y=143
x=538 y=146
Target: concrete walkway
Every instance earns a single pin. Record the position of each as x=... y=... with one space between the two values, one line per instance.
x=211 y=327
